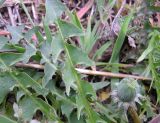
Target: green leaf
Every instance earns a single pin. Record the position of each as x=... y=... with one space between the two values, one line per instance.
x=48 y=110
x=100 y=6
x=49 y=72
x=54 y=9
x=106 y=111
x=7 y=47
x=27 y=81
x=10 y=58
x=30 y=51
x=101 y=50
x=26 y=12
x=75 y=76
x=30 y=33
x=73 y=119
x=50 y=67
x=6 y=85
x=48 y=33
x=24 y=81
x=19 y=48
x=39 y=37
x=29 y=107
x=145 y=53
x=19 y=95
x=16 y=33
x=154 y=60
x=78 y=56
x=68 y=76
x=51 y=51
x=80 y=106
x=67 y=109
x=3 y=41
x=46 y=50
x=99 y=85
x=51 y=86
x=69 y=30
x=91 y=36
x=4 y=119
x=57 y=47
x=88 y=89
x=151 y=46
x=3 y=67
x=96 y=118
x=120 y=40
x=117 y=46
x=75 y=20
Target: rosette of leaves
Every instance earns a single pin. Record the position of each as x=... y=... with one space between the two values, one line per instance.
x=57 y=91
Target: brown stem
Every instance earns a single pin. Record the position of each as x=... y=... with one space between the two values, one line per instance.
x=134 y=115
x=90 y=72
x=110 y=74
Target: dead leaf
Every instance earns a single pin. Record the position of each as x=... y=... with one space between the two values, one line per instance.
x=131 y=42
x=155 y=119
x=103 y=95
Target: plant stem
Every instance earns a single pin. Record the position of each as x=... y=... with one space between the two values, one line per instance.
x=81 y=92
x=89 y=72
x=27 y=13
x=134 y=115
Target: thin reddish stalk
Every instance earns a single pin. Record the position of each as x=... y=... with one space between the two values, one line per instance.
x=3 y=33
x=83 y=10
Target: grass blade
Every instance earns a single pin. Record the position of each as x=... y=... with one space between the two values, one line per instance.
x=101 y=50
x=4 y=119
x=120 y=40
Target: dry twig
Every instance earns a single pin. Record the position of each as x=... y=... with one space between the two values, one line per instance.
x=89 y=72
